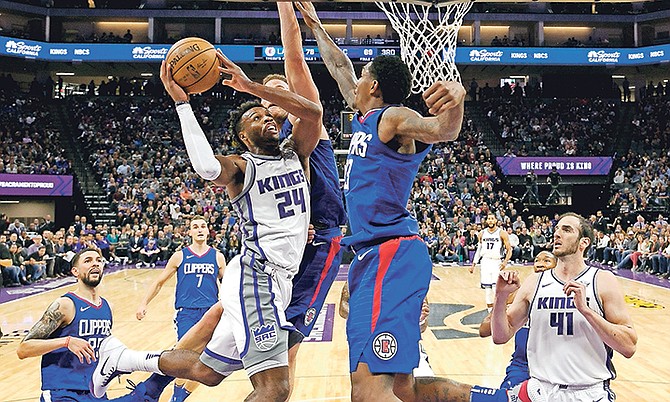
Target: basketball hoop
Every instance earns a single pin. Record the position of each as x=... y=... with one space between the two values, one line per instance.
x=427 y=47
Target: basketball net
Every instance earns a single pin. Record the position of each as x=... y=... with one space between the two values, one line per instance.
x=427 y=47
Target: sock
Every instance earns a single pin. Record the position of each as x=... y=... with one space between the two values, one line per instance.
x=483 y=394
x=155 y=385
x=179 y=394
x=134 y=360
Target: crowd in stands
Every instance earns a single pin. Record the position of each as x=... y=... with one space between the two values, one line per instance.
x=557 y=127
x=29 y=139
x=134 y=147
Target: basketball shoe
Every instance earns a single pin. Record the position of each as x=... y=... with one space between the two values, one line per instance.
x=528 y=391
x=109 y=355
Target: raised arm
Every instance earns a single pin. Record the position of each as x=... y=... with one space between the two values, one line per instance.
x=308 y=113
x=222 y=170
x=167 y=273
x=338 y=64
x=506 y=320
x=444 y=100
x=36 y=343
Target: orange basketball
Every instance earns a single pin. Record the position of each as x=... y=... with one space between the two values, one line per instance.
x=194 y=64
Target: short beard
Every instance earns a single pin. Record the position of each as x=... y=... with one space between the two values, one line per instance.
x=90 y=282
x=566 y=251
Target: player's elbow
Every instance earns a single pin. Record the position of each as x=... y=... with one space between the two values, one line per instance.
x=500 y=339
x=210 y=172
x=21 y=351
x=629 y=352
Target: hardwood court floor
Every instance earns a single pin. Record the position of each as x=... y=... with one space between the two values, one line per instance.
x=322 y=371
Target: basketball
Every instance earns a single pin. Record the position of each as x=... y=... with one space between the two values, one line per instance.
x=194 y=64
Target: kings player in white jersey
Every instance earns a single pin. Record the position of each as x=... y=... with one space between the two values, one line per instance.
x=577 y=318
x=268 y=187
x=491 y=242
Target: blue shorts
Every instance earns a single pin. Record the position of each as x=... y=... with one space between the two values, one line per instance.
x=514 y=377
x=387 y=284
x=62 y=395
x=318 y=269
x=187 y=318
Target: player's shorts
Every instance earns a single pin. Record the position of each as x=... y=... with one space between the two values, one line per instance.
x=514 y=377
x=387 y=284
x=58 y=395
x=489 y=271
x=318 y=269
x=185 y=318
x=253 y=331
x=571 y=393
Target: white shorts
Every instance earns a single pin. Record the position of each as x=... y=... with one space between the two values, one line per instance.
x=560 y=393
x=253 y=330
x=489 y=271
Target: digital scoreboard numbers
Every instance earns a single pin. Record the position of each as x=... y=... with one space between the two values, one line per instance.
x=311 y=53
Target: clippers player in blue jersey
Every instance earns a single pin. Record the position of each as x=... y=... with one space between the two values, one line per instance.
x=199 y=268
x=69 y=335
x=322 y=257
x=575 y=312
x=268 y=186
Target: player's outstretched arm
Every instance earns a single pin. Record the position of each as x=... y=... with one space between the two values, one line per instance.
x=445 y=100
x=308 y=113
x=223 y=171
x=617 y=330
x=506 y=320
x=338 y=64
x=60 y=313
x=167 y=273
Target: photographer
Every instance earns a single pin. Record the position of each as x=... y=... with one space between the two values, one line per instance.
x=531 y=188
x=554 y=179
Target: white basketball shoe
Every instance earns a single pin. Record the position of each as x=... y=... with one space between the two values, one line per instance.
x=106 y=370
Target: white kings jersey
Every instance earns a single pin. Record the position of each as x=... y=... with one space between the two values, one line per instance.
x=491 y=244
x=563 y=348
x=274 y=209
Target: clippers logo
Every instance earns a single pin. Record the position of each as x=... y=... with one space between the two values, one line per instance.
x=265 y=336
x=485 y=55
x=22 y=49
x=385 y=346
x=602 y=56
x=147 y=52
x=273 y=53
x=310 y=315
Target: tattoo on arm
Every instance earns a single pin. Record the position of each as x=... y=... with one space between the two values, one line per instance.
x=50 y=321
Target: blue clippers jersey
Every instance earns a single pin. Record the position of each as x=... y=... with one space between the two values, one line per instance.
x=327 y=209
x=196 y=280
x=377 y=184
x=61 y=368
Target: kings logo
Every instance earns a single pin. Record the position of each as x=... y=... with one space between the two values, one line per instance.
x=265 y=336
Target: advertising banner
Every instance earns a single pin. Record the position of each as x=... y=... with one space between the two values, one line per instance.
x=35 y=185
x=566 y=165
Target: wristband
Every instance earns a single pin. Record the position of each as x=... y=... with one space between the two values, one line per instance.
x=179 y=103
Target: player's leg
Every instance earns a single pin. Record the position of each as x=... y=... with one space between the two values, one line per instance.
x=318 y=269
x=384 y=309
x=185 y=320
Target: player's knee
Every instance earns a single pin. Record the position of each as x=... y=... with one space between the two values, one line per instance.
x=277 y=389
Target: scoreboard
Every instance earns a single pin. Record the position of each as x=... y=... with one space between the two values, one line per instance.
x=355 y=53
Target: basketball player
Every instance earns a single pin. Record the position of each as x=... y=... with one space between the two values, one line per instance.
x=69 y=334
x=198 y=267
x=576 y=313
x=389 y=277
x=517 y=371
x=491 y=241
x=322 y=257
x=268 y=186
